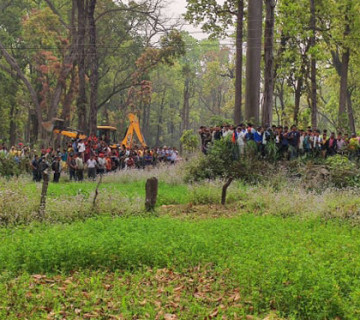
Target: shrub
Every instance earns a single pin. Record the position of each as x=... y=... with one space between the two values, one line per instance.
x=10 y=167
x=343 y=172
x=189 y=140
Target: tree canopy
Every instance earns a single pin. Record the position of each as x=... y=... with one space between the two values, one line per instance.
x=91 y=62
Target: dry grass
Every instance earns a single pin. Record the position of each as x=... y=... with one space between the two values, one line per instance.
x=122 y=193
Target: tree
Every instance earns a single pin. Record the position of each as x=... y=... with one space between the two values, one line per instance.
x=269 y=63
x=216 y=19
x=253 y=60
x=313 y=96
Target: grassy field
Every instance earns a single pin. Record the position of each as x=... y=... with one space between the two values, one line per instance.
x=274 y=252
x=245 y=265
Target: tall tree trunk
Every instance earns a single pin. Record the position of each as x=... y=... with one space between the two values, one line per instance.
x=350 y=112
x=105 y=114
x=160 y=120
x=269 y=63
x=186 y=104
x=143 y=117
x=16 y=68
x=298 y=89
x=67 y=65
x=94 y=69
x=146 y=120
x=282 y=102
x=344 y=78
x=253 y=60
x=34 y=127
x=313 y=66
x=81 y=100
x=69 y=96
x=343 y=88
x=27 y=128
x=12 y=129
x=239 y=59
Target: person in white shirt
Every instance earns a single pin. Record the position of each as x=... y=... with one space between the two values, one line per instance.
x=241 y=140
x=91 y=168
x=81 y=148
x=79 y=168
x=101 y=163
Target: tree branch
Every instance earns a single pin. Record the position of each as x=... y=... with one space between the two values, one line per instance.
x=54 y=10
x=12 y=62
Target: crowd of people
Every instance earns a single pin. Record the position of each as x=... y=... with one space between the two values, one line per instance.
x=290 y=142
x=89 y=157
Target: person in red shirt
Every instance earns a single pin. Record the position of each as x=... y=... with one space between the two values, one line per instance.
x=108 y=163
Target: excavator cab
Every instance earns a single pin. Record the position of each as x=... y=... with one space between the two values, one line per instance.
x=107 y=134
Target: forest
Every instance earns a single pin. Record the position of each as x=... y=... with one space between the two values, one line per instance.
x=92 y=62
x=256 y=224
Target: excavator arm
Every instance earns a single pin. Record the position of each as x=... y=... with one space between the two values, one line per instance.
x=129 y=136
x=71 y=134
x=57 y=126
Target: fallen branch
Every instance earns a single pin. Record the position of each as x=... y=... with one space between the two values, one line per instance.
x=96 y=192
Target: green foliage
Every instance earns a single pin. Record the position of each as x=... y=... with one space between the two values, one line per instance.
x=271 y=270
x=189 y=140
x=10 y=167
x=218 y=163
x=223 y=161
x=218 y=121
x=344 y=173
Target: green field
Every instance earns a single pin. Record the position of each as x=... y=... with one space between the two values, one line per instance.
x=268 y=254
x=302 y=269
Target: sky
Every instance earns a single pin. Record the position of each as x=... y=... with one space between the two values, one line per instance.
x=177 y=8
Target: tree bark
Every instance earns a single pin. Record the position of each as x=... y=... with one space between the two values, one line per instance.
x=160 y=120
x=94 y=69
x=81 y=100
x=69 y=96
x=269 y=63
x=313 y=66
x=239 y=59
x=224 y=190
x=12 y=129
x=186 y=104
x=298 y=90
x=350 y=112
x=343 y=88
x=14 y=65
x=253 y=61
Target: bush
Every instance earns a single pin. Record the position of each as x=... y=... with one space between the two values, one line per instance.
x=10 y=167
x=223 y=161
x=218 y=163
x=189 y=140
x=343 y=172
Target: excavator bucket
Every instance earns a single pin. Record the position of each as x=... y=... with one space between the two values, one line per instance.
x=53 y=124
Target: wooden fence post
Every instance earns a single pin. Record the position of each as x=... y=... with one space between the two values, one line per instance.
x=45 y=176
x=151 y=193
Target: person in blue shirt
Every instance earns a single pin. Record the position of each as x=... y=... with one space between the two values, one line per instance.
x=258 y=138
x=293 y=139
x=249 y=135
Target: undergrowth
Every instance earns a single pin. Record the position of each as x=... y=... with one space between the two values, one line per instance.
x=303 y=269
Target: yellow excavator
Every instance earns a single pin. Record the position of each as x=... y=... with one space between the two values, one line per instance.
x=129 y=135
x=107 y=133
